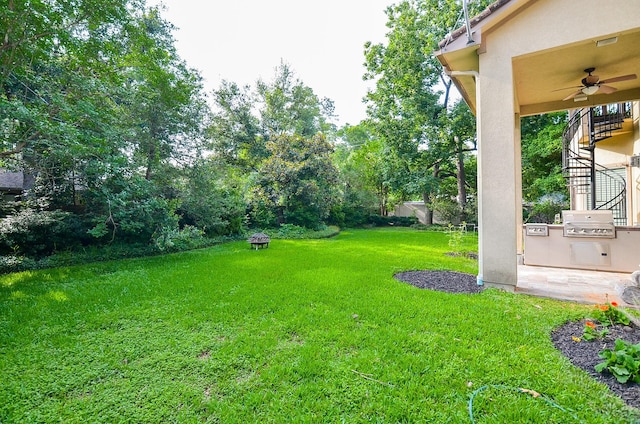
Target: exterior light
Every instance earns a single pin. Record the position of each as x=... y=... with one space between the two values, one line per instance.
x=592 y=89
x=606 y=41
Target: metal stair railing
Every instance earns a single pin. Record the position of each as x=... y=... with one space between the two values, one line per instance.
x=581 y=172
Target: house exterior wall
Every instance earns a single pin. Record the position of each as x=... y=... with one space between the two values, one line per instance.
x=634 y=177
x=544 y=24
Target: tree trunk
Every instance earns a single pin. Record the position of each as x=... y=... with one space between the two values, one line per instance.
x=428 y=214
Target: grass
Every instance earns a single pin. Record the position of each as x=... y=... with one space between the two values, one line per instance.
x=305 y=331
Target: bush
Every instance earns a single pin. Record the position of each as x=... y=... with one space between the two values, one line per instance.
x=545 y=210
x=623 y=361
x=179 y=239
x=397 y=221
x=34 y=232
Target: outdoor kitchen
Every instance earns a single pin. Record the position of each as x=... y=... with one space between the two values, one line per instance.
x=584 y=240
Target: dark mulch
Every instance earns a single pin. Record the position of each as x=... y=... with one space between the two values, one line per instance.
x=446 y=281
x=584 y=354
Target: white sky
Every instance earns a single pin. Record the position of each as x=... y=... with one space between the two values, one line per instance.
x=244 y=40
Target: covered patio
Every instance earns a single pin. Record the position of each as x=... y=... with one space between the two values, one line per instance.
x=525 y=57
x=582 y=286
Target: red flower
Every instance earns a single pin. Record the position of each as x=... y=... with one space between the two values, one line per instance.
x=590 y=325
x=614 y=304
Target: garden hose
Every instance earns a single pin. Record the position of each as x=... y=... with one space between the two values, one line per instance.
x=533 y=393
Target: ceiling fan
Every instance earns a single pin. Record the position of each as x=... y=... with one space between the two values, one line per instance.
x=592 y=84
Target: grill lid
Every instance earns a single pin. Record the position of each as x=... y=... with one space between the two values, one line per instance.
x=598 y=224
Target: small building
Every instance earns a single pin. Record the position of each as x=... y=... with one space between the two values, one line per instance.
x=13 y=184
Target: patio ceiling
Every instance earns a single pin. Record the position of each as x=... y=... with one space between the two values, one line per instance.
x=540 y=78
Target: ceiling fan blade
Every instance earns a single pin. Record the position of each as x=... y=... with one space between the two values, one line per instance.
x=572 y=95
x=620 y=78
x=567 y=88
x=606 y=89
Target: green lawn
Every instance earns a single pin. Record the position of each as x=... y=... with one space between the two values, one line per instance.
x=306 y=331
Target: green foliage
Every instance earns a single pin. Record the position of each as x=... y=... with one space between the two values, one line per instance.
x=181 y=239
x=542 y=155
x=448 y=210
x=610 y=314
x=37 y=232
x=290 y=107
x=394 y=221
x=98 y=108
x=623 y=361
x=210 y=200
x=591 y=332
x=290 y=231
x=545 y=209
x=425 y=138
x=297 y=180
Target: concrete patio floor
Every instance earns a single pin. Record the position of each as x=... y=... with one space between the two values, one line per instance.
x=574 y=285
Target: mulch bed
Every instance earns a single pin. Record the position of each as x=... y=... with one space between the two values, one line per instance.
x=582 y=354
x=445 y=281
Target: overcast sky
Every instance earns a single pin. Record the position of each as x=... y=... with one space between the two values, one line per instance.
x=243 y=40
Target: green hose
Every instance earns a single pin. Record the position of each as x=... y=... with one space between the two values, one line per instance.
x=536 y=395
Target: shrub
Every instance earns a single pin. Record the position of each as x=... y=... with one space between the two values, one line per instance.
x=291 y=231
x=623 y=361
x=397 y=221
x=34 y=232
x=545 y=210
x=178 y=239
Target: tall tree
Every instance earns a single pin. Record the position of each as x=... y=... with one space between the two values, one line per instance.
x=235 y=131
x=410 y=103
x=542 y=156
x=166 y=104
x=291 y=107
x=297 y=181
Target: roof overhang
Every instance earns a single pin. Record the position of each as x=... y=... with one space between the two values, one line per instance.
x=543 y=78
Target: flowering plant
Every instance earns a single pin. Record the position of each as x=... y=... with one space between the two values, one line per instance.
x=591 y=331
x=610 y=314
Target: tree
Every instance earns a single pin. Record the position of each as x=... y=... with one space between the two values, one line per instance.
x=211 y=199
x=363 y=189
x=167 y=109
x=235 y=131
x=290 y=107
x=542 y=155
x=296 y=183
x=273 y=138
x=408 y=108
x=93 y=92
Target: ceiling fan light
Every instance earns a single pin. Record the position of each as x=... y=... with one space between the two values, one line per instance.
x=606 y=41
x=590 y=90
x=580 y=98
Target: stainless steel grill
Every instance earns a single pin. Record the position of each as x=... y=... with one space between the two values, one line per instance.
x=593 y=224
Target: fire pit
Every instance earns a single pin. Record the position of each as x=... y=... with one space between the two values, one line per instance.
x=259 y=241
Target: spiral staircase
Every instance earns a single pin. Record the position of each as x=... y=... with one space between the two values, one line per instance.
x=604 y=188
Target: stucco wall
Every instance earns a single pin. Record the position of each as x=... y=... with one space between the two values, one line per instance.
x=545 y=24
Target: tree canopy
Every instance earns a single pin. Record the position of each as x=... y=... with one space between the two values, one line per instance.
x=410 y=106
x=119 y=144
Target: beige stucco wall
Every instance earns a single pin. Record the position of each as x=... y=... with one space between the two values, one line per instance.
x=634 y=179
x=545 y=24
